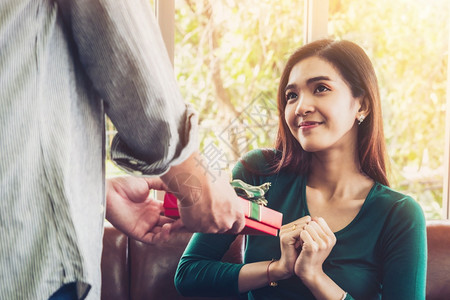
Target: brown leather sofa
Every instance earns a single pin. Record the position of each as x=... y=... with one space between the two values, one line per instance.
x=134 y=271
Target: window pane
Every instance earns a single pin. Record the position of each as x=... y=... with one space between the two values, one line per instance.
x=228 y=59
x=408 y=44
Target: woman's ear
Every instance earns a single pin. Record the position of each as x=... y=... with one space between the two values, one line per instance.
x=364 y=110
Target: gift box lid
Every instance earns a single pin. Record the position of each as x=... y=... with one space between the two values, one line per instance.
x=262 y=214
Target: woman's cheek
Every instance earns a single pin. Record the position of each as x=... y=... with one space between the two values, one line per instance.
x=288 y=116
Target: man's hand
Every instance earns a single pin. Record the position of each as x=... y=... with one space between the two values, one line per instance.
x=129 y=209
x=206 y=202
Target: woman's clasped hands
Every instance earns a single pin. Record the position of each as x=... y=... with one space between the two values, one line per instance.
x=305 y=244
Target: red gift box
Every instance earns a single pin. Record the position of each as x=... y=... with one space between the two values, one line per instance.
x=258 y=219
x=170 y=206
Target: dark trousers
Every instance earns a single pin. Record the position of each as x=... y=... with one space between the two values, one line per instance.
x=66 y=292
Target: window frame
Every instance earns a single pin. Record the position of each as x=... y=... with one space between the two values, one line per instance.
x=446 y=175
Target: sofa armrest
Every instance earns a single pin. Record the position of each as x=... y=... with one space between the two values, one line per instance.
x=438 y=267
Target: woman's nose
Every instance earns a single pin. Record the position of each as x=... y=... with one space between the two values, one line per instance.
x=304 y=106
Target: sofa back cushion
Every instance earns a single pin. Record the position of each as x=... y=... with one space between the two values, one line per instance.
x=115 y=266
x=134 y=270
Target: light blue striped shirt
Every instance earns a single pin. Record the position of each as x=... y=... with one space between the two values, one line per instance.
x=62 y=64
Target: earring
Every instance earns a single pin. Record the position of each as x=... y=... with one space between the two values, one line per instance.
x=361 y=119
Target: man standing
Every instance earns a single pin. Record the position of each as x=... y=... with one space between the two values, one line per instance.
x=63 y=64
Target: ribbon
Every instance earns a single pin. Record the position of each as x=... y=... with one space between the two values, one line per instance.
x=254 y=211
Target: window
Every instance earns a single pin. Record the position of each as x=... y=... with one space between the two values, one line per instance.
x=228 y=56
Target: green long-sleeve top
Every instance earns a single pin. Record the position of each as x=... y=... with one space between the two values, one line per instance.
x=380 y=254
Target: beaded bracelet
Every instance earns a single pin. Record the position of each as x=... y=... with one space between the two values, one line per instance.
x=271 y=283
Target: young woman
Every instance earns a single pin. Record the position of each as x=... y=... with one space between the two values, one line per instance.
x=347 y=235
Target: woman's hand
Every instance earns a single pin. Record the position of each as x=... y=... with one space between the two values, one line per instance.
x=317 y=242
x=290 y=244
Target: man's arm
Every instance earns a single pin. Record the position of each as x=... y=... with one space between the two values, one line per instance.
x=122 y=52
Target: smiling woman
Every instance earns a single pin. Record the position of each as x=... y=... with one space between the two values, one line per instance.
x=346 y=234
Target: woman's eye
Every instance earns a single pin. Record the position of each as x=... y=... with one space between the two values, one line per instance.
x=290 y=96
x=321 y=89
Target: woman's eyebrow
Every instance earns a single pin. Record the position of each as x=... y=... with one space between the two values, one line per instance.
x=290 y=86
x=308 y=82
x=317 y=78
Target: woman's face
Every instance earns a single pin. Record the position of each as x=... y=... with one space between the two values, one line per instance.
x=320 y=109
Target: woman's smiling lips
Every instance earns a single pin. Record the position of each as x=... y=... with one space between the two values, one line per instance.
x=309 y=124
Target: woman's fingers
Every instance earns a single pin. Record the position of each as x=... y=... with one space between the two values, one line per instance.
x=301 y=221
x=325 y=226
x=315 y=230
x=319 y=231
x=290 y=233
x=296 y=225
x=290 y=236
x=309 y=244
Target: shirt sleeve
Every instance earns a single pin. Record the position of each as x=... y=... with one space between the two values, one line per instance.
x=120 y=49
x=404 y=252
x=200 y=271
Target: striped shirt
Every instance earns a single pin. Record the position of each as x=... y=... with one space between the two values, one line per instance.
x=62 y=65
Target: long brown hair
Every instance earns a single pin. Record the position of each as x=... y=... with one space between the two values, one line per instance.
x=357 y=70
